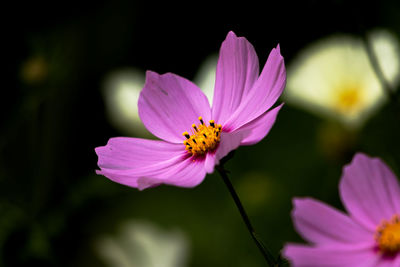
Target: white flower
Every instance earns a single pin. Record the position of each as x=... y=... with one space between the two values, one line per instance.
x=205 y=76
x=334 y=77
x=142 y=244
x=121 y=89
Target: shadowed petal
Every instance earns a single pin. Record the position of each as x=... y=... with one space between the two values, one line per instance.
x=369 y=190
x=209 y=163
x=229 y=142
x=336 y=256
x=259 y=127
x=187 y=173
x=237 y=71
x=170 y=104
x=142 y=163
x=266 y=90
x=387 y=261
x=321 y=224
x=397 y=261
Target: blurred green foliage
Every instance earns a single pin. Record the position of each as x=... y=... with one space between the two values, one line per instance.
x=53 y=207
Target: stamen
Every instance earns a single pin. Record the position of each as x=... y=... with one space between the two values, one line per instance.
x=388 y=236
x=204 y=138
x=186 y=134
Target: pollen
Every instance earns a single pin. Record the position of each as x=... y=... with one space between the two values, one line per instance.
x=388 y=236
x=202 y=138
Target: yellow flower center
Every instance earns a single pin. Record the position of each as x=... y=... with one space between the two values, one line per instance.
x=349 y=100
x=388 y=236
x=203 y=138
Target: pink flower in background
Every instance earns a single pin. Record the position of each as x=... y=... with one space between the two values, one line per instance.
x=196 y=136
x=368 y=236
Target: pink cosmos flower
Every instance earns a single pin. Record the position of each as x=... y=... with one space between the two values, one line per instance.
x=368 y=236
x=196 y=136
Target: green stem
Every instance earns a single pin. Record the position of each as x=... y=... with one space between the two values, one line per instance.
x=264 y=251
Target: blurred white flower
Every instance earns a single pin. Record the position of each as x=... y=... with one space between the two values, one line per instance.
x=334 y=77
x=121 y=90
x=386 y=47
x=205 y=76
x=141 y=244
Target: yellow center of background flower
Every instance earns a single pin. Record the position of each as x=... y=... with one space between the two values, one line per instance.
x=203 y=138
x=349 y=100
x=388 y=236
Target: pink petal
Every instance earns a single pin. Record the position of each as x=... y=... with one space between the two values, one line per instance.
x=229 y=142
x=237 y=71
x=369 y=190
x=209 y=163
x=187 y=173
x=170 y=104
x=130 y=153
x=321 y=224
x=259 y=127
x=306 y=256
x=397 y=260
x=387 y=261
x=266 y=90
x=142 y=163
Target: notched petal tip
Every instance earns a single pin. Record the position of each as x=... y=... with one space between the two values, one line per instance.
x=278 y=48
x=231 y=34
x=302 y=205
x=232 y=37
x=150 y=74
x=358 y=159
x=360 y=155
x=277 y=52
x=153 y=77
x=298 y=202
x=98 y=149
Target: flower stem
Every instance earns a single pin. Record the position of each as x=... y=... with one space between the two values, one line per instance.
x=264 y=251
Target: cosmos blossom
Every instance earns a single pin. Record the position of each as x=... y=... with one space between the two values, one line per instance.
x=368 y=236
x=195 y=136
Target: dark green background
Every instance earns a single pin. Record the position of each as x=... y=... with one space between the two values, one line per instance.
x=52 y=204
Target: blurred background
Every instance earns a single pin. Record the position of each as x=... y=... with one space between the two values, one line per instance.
x=72 y=73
